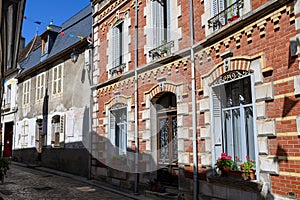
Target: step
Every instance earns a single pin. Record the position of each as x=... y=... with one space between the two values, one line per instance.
x=160 y=196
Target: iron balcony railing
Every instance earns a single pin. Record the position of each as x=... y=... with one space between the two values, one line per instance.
x=229 y=14
x=117 y=70
x=161 y=51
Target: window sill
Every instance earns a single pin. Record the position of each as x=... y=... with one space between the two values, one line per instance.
x=245 y=185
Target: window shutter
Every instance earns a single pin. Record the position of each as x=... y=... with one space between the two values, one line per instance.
x=54 y=81
x=217 y=121
x=215 y=8
x=158 y=23
x=62 y=128
x=221 y=8
x=116 y=46
x=112 y=128
x=59 y=78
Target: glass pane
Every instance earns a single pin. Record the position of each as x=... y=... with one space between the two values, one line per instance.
x=237 y=134
x=164 y=138
x=174 y=139
x=228 y=135
x=247 y=90
x=249 y=132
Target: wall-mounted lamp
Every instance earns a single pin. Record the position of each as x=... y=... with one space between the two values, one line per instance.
x=74 y=56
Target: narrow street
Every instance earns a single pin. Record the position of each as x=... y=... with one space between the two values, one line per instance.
x=26 y=183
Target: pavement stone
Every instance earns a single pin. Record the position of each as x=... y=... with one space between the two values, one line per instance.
x=34 y=182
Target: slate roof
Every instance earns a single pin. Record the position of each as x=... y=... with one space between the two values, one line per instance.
x=78 y=25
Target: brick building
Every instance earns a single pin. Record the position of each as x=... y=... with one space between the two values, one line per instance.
x=176 y=88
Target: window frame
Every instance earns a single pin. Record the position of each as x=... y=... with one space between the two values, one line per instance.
x=113 y=129
x=218 y=121
x=40 y=88
x=26 y=92
x=56 y=80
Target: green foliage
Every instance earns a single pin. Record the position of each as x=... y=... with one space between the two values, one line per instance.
x=4 y=164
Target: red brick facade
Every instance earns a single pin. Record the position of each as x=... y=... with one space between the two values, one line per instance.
x=263 y=36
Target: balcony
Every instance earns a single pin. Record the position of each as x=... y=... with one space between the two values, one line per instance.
x=117 y=70
x=161 y=51
x=229 y=14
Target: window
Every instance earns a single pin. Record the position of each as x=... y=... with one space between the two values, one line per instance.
x=26 y=92
x=167 y=128
x=57 y=125
x=45 y=45
x=8 y=96
x=233 y=122
x=118 y=129
x=224 y=11
x=40 y=85
x=24 y=136
x=57 y=79
x=117 y=41
x=160 y=10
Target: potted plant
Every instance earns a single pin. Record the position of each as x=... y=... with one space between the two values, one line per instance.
x=248 y=167
x=4 y=166
x=224 y=164
x=164 y=49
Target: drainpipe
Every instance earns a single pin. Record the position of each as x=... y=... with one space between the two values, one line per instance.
x=136 y=132
x=90 y=74
x=194 y=114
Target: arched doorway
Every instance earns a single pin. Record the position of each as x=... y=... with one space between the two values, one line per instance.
x=165 y=105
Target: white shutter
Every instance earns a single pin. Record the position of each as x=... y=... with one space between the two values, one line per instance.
x=221 y=8
x=112 y=128
x=217 y=121
x=116 y=46
x=214 y=8
x=158 y=23
x=62 y=129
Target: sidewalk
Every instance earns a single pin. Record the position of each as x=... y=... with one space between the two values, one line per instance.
x=95 y=183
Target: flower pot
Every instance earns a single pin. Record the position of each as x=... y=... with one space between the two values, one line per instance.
x=235 y=174
x=252 y=175
x=224 y=171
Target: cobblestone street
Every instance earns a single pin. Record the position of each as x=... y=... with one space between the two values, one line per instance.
x=26 y=183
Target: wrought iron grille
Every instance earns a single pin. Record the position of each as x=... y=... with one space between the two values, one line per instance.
x=229 y=14
x=230 y=76
x=117 y=70
x=161 y=51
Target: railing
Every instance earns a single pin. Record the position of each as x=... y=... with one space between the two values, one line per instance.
x=161 y=51
x=229 y=14
x=117 y=70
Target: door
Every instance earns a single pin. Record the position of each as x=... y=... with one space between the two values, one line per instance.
x=8 y=134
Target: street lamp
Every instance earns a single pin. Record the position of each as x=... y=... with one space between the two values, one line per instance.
x=74 y=56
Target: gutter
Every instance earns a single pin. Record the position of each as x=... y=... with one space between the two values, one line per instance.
x=194 y=112
x=136 y=131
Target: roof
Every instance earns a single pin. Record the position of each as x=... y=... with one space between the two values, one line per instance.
x=78 y=25
x=31 y=46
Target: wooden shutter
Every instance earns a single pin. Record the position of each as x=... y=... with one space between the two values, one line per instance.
x=158 y=22
x=116 y=46
x=59 y=79
x=217 y=121
x=62 y=128
x=112 y=128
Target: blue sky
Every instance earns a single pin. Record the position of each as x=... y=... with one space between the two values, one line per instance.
x=46 y=10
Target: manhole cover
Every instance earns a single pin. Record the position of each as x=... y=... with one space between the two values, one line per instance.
x=43 y=188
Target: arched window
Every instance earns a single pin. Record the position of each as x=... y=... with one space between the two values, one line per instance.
x=118 y=128
x=233 y=116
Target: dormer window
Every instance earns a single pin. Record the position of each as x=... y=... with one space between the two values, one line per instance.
x=44 y=45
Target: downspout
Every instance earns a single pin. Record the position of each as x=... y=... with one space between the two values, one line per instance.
x=194 y=114
x=136 y=132
x=90 y=74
